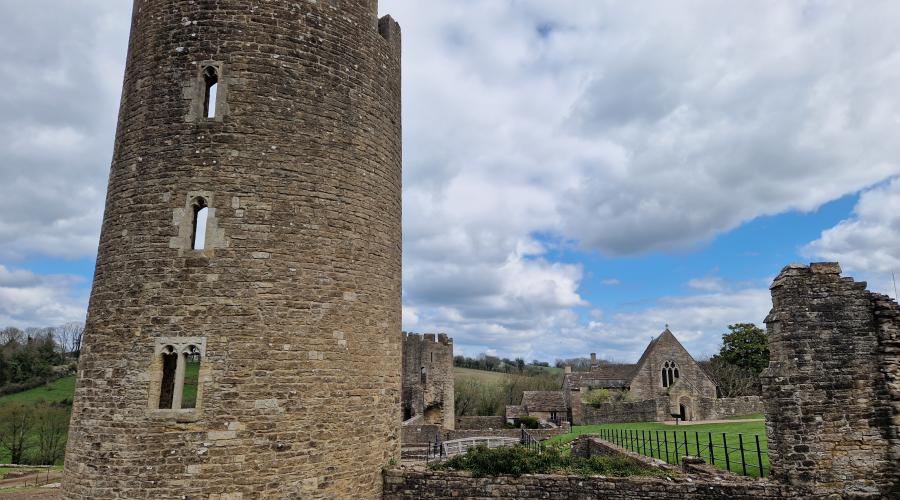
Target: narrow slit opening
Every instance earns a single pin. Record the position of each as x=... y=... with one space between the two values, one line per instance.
x=198 y=230
x=211 y=81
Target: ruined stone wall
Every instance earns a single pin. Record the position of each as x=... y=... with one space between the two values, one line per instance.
x=293 y=306
x=420 y=434
x=539 y=434
x=622 y=412
x=831 y=389
x=428 y=378
x=480 y=422
x=412 y=484
x=711 y=409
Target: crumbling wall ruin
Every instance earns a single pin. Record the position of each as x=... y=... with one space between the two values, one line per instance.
x=427 y=383
x=832 y=389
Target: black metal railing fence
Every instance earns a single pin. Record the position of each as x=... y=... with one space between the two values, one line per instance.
x=740 y=453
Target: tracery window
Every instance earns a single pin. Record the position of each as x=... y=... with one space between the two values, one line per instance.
x=179 y=373
x=669 y=373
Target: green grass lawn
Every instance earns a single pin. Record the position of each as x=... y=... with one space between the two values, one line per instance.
x=53 y=392
x=754 y=416
x=642 y=438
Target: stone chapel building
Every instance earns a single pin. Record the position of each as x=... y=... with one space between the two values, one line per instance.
x=665 y=383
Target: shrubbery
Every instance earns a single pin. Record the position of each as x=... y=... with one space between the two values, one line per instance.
x=597 y=397
x=482 y=461
x=528 y=421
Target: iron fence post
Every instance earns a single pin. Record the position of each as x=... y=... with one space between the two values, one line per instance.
x=666 y=440
x=712 y=452
x=727 y=454
x=741 y=446
x=759 y=457
x=675 y=440
x=697 y=439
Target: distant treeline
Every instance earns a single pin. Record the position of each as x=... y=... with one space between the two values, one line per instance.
x=502 y=365
x=35 y=356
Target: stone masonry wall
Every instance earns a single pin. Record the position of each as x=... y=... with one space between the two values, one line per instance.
x=294 y=304
x=427 y=369
x=831 y=389
x=711 y=409
x=539 y=434
x=406 y=484
x=477 y=422
x=636 y=411
x=420 y=434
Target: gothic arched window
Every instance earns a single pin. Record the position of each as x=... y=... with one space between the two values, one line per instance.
x=669 y=373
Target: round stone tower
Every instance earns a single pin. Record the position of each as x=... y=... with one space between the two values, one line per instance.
x=243 y=334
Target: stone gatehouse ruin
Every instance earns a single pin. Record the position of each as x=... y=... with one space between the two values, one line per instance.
x=427 y=385
x=832 y=388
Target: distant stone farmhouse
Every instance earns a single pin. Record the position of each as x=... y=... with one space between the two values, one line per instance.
x=549 y=406
x=665 y=383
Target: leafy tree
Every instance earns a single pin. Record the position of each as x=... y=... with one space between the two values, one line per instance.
x=746 y=346
x=51 y=424
x=16 y=421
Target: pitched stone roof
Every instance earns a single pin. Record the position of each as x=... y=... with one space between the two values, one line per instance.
x=607 y=376
x=544 y=401
x=515 y=412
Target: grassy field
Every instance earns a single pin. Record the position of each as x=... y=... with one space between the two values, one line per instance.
x=54 y=392
x=481 y=375
x=755 y=416
x=642 y=437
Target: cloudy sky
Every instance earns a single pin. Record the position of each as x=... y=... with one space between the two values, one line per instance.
x=577 y=174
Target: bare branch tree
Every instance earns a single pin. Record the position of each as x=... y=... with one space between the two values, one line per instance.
x=69 y=335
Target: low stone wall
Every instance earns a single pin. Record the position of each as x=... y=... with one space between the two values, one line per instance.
x=468 y=423
x=419 y=434
x=407 y=484
x=457 y=434
x=730 y=407
x=539 y=434
x=637 y=411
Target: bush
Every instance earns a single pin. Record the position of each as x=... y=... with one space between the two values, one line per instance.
x=482 y=461
x=597 y=397
x=528 y=422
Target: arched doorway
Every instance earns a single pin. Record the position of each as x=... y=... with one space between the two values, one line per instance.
x=685 y=410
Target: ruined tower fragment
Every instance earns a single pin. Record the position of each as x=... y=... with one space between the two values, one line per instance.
x=832 y=388
x=243 y=331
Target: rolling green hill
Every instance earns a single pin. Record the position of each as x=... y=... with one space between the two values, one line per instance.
x=54 y=392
